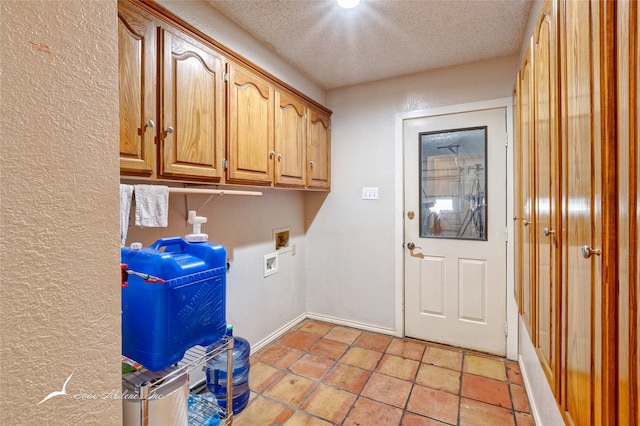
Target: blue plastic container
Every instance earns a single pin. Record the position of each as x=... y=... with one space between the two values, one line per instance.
x=217 y=375
x=160 y=321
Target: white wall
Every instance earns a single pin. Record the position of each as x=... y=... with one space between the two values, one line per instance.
x=256 y=306
x=60 y=263
x=352 y=243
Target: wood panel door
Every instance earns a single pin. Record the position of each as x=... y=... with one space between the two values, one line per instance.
x=580 y=397
x=137 y=91
x=523 y=197
x=192 y=113
x=319 y=150
x=251 y=150
x=628 y=61
x=546 y=225
x=290 y=141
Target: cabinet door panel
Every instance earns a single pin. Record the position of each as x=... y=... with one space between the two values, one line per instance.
x=290 y=141
x=193 y=113
x=523 y=197
x=627 y=237
x=319 y=151
x=251 y=111
x=581 y=211
x=546 y=227
x=137 y=91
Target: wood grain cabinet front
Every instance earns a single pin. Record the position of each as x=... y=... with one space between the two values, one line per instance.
x=192 y=111
x=250 y=148
x=319 y=151
x=137 y=91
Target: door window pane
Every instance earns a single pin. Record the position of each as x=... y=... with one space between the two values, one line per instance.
x=453 y=184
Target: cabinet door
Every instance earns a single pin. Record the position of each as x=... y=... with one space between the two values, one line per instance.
x=523 y=208
x=319 y=151
x=290 y=140
x=581 y=399
x=628 y=170
x=137 y=91
x=251 y=110
x=546 y=229
x=193 y=114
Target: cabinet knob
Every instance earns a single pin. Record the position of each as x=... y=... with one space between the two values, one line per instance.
x=548 y=231
x=587 y=251
x=150 y=123
x=279 y=156
x=169 y=129
x=271 y=154
x=526 y=222
x=311 y=163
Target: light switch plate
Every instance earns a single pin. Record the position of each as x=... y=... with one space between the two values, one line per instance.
x=369 y=193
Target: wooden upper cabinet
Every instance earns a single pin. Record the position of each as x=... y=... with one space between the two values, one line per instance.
x=193 y=111
x=290 y=140
x=319 y=150
x=137 y=91
x=250 y=128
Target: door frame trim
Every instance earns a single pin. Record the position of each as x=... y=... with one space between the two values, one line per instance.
x=512 y=309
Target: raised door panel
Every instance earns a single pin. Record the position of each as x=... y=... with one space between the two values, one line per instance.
x=319 y=151
x=524 y=240
x=581 y=344
x=290 y=141
x=628 y=215
x=546 y=191
x=193 y=113
x=137 y=91
x=251 y=123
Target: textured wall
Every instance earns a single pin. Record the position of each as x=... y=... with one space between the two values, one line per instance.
x=59 y=285
x=351 y=243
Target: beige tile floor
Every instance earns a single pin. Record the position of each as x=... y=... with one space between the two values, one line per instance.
x=321 y=374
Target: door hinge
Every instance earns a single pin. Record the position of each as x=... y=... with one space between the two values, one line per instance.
x=506 y=234
x=506 y=328
x=506 y=139
x=225 y=164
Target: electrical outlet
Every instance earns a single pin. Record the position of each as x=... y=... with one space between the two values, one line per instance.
x=369 y=193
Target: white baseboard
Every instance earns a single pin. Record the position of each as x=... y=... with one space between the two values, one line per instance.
x=544 y=409
x=333 y=320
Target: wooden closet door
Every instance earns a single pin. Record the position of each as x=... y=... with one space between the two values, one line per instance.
x=627 y=54
x=546 y=229
x=523 y=202
x=580 y=399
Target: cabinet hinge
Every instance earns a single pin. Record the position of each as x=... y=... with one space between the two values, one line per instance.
x=225 y=164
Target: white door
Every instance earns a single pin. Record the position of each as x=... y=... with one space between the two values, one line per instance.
x=455 y=229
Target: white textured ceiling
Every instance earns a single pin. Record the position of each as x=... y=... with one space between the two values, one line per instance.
x=380 y=38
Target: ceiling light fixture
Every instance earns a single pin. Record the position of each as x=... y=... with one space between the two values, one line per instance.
x=348 y=4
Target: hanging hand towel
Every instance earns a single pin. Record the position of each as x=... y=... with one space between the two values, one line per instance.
x=152 y=206
x=126 y=191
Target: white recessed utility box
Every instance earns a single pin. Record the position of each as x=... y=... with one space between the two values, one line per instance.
x=270 y=264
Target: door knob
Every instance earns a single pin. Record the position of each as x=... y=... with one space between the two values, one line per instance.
x=548 y=231
x=588 y=251
x=412 y=246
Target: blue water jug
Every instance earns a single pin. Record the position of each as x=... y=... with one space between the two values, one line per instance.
x=217 y=374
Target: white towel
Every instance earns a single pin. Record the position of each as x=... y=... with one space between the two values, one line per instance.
x=152 y=206
x=126 y=191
